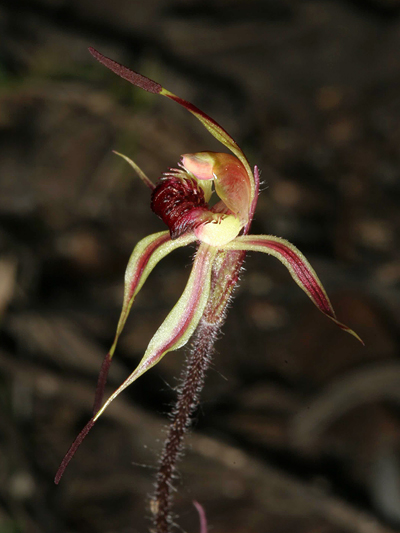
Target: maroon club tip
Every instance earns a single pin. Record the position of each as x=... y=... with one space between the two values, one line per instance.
x=71 y=452
x=127 y=74
x=101 y=383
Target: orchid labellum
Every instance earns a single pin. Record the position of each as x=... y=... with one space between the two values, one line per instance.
x=221 y=233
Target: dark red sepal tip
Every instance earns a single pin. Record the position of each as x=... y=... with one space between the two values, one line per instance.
x=126 y=73
x=101 y=383
x=71 y=452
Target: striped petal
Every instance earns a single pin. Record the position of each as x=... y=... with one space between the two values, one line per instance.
x=145 y=256
x=298 y=266
x=153 y=87
x=174 y=333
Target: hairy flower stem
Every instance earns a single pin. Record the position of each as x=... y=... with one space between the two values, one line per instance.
x=198 y=361
x=224 y=279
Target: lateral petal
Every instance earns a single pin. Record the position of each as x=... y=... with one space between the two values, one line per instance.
x=298 y=266
x=153 y=87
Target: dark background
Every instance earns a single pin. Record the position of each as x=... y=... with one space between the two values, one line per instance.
x=299 y=428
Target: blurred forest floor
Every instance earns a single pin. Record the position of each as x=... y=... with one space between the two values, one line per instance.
x=299 y=428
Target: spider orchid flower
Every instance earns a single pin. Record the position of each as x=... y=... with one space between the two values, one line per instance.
x=181 y=199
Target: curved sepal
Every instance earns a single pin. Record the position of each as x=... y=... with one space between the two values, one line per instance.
x=153 y=87
x=173 y=333
x=298 y=266
x=181 y=322
x=145 y=256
